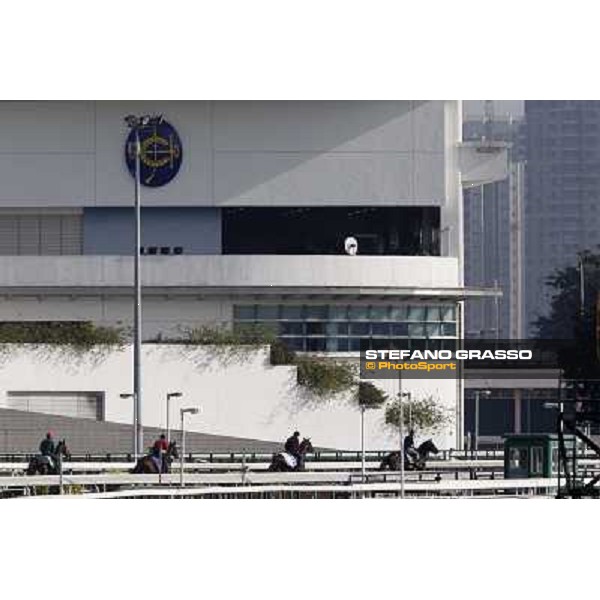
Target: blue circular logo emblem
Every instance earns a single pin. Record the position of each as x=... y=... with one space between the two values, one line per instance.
x=160 y=153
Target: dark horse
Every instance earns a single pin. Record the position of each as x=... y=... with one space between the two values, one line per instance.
x=48 y=465
x=148 y=464
x=392 y=460
x=283 y=461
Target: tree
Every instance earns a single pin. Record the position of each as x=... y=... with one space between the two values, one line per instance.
x=567 y=321
x=422 y=414
x=369 y=395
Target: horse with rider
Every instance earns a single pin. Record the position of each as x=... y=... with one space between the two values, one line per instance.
x=293 y=456
x=415 y=458
x=47 y=462
x=159 y=457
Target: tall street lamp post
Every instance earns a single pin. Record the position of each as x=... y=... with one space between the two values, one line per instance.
x=363 y=466
x=192 y=410
x=401 y=431
x=169 y=396
x=135 y=123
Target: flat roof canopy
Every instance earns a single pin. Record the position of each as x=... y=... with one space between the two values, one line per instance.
x=324 y=293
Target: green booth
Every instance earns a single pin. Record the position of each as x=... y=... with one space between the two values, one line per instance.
x=529 y=455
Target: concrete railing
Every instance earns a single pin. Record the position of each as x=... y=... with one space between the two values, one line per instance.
x=231 y=271
x=516 y=488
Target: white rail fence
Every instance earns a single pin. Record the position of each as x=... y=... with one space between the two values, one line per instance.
x=514 y=487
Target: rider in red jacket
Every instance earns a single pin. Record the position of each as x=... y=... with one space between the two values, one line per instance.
x=161 y=445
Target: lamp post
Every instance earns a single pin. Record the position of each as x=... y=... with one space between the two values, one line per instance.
x=192 y=410
x=169 y=396
x=125 y=396
x=476 y=436
x=363 y=467
x=401 y=431
x=135 y=123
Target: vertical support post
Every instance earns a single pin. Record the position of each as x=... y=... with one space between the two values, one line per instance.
x=363 y=466
x=168 y=432
x=182 y=451
x=137 y=315
x=482 y=259
x=401 y=447
x=517 y=399
x=476 y=436
x=496 y=310
x=516 y=183
x=61 y=490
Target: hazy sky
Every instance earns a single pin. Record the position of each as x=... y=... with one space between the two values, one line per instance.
x=472 y=108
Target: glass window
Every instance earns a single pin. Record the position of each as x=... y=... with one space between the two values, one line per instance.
x=400 y=329
x=337 y=328
x=449 y=329
x=291 y=328
x=398 y=313
x=433 y=329
x=537 y=461
x=381 y=329
x=295 y=344
x=379 y=313
x=338 y=313
x=555 y=460
x=448 y=313
x=358 y=313
x=517 y=458
x=315 y=344
x=416 y=313
x=315 y=328
x=360 y=328
x=244 y=313
x=291 y=313
x=266 y=312
x=316 y=312
x=433 y=313
x=354 y=344
x=416 y=330
x=337 y=344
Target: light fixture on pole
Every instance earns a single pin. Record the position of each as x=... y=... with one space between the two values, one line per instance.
x=124 y=397
x=191 y=410
x=486 y=393
x=169 y=396
x=135 y=123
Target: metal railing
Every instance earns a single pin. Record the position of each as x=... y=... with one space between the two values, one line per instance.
x=254 y=457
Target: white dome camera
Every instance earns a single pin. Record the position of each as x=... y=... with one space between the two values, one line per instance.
x=351 y=246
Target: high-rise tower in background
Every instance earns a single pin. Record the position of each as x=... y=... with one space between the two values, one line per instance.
x=487 y=231
x=562 y=208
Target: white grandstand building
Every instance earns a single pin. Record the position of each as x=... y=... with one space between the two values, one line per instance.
x=247 y=226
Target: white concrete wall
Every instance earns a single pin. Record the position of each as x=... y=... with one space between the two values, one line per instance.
x=239 y=397
x=230 y=271
x=161 y=315
x=266 y=153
